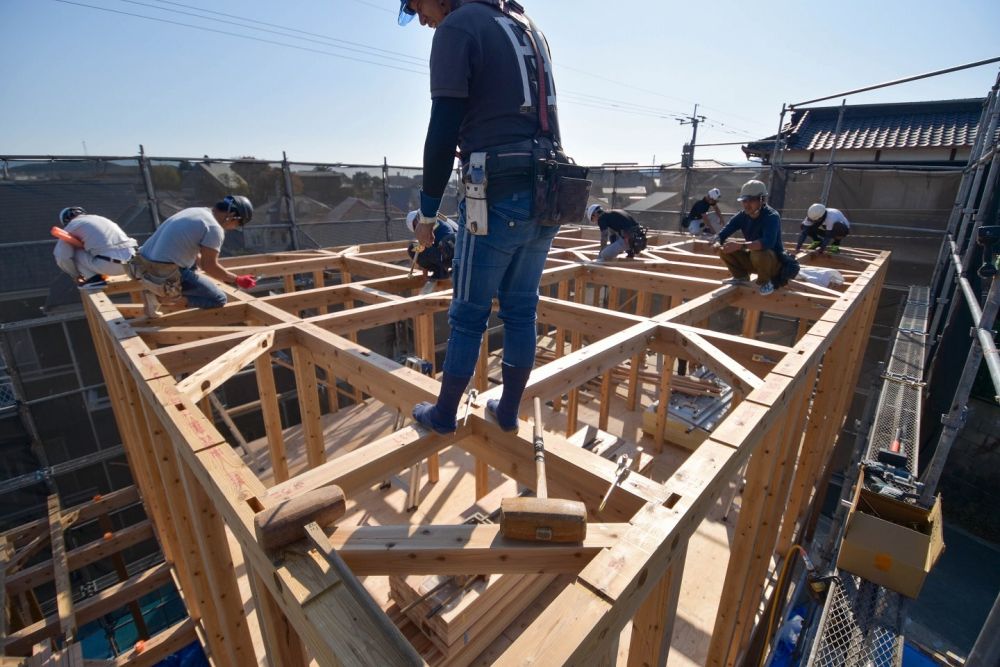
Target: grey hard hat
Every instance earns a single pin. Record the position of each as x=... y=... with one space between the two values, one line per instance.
x=752 y=189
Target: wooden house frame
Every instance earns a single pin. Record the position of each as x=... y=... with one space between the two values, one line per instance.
x=307 y=602
x=26 y=631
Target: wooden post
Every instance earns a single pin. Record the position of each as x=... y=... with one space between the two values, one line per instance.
x=573 y=408
x=424 y=343
x=64 y=594
x=122 y=571
x=210 y=532
x=310 y=412
x=653 y=624
x=189 y=547
x=560 y=349
x=345 y=278
x=606 y=395
x=634 y=382
x=271 y=413
x=482 y=382
x=663 y=407
x=284 y=646
x=741 y=551
x=751 y=322
x=319 y=280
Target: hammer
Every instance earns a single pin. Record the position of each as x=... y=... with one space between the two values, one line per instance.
x=542 y=519
x=285 y=523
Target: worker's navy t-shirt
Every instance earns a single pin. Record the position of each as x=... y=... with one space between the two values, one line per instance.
x=699 y=209
x=482 y=55
x=765 y=228
x=616 y=220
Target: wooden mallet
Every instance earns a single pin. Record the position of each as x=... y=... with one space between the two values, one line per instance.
x=285 y=523
x=542 y=519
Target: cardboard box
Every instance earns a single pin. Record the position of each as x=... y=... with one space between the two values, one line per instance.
x=891 y=543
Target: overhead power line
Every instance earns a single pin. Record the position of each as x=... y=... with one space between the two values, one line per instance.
x=286 y=29
x=215 y=30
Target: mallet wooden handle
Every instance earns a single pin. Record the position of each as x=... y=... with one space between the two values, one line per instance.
x=541 y=490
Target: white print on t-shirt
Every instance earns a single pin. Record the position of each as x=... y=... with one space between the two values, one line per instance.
x=527 y=60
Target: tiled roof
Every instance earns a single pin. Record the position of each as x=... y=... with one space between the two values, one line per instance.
x=944 y=124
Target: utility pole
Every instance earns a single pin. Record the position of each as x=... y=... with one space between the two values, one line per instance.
x=687 y=153
x=687 y=158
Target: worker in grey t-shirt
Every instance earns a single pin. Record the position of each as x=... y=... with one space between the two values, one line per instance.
x=192 y=239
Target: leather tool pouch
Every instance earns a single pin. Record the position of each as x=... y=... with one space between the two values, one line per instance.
x=561 y=189
x=160 y=278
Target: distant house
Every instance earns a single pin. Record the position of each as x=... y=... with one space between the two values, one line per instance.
x=207 y=182
x=908 y=133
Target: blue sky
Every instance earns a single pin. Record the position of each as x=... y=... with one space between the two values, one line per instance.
x=624 y=71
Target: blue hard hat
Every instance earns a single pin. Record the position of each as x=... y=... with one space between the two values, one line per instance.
x=405 y=13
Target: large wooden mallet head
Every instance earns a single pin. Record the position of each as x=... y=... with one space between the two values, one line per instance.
x=285 y=523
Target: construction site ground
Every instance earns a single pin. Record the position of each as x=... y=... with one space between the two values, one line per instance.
x=453 y=494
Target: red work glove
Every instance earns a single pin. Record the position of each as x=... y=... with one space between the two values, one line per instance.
x=246 y=281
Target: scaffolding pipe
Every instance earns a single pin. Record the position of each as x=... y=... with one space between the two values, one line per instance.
x=828 y=179
x=896 y=82
x=955 y=419
x=147 y=182
x=968 y=191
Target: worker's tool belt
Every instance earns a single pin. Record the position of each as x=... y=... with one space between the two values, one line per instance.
x=161 y=278
x=561 y=188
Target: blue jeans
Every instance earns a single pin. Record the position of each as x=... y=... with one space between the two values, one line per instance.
x=200 y=291
x=506 y=263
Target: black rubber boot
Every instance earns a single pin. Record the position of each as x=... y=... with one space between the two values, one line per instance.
x=505 y=410
x=440 y=418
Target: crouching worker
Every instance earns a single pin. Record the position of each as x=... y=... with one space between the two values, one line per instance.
x=90 y=247
x=761 y=250
x=623 y=232
x=435 y=259
x=168 y=262
x=825 y=226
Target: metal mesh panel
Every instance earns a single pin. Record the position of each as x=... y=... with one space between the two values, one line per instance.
x=899 y=403
x=860 y=626
x=655 y=195
x=32 y=192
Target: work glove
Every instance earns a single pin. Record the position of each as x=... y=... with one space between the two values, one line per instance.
x=246 y=281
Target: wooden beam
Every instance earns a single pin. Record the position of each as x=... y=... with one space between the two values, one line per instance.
x=43 y=572
x=462 y=549
x=732 y=373
x=92 y=608
x=163 y=644
x=203 y=382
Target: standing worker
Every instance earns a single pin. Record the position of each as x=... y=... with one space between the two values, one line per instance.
x=823 y=224
x=705 y=216
x=761 y=251
x=98 y=247
x=168 y=261
x=435 y=259
x=490 y=68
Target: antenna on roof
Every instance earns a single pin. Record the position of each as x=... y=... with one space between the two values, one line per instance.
x=84 y=142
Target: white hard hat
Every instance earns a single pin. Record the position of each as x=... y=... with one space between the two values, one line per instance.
x=816 y=212
x=593 y=208
x=411 y=220
x=715 y=193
